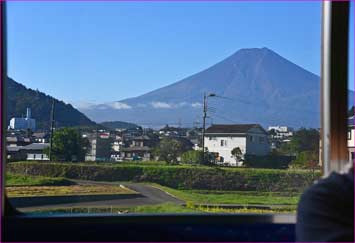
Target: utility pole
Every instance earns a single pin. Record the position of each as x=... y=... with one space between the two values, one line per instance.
x=204 y=127
x=51 y=132
x=205 y=97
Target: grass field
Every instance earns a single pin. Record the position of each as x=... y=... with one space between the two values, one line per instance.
x=159 y=208
x=32 y=186
x=280 y=201
x=25 y=180
x=35 y=191
x=232 y=197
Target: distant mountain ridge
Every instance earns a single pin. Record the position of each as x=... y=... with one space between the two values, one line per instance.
x=258 y=86
x=118 y=125
x=19 y=98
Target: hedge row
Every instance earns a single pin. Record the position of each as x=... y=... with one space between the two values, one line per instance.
x=180 y=177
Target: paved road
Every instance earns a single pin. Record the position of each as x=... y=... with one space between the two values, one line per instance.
x=148 y=195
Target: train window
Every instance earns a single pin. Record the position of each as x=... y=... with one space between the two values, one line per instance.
x=110 y=106
x=145 y=108
x=351 y=124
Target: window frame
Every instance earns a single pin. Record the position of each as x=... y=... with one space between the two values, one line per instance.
x=334 y=128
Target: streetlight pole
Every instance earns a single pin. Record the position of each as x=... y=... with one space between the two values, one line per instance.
x=205 y=97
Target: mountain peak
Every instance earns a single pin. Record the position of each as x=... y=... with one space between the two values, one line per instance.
x=254 y=51
x=263 y=88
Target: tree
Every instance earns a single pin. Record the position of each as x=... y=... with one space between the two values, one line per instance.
x=192 y=157
x=237 y=154
x=68 y=145
x=305 y=140
x=305 y=146
x=302 y=140
x=306 y=160
x=169 y=150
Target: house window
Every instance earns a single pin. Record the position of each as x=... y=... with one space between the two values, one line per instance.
x=223 y=143
x=349 y=134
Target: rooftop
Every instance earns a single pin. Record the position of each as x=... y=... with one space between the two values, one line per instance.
x=232 y=128
x=36 y=146
x=136 y=148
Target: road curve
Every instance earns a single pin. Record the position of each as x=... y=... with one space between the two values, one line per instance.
x=156 y=195
x=149 y=195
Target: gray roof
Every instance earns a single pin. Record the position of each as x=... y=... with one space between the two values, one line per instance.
x=36 y=146
x=40 y=134
x=144 y=137
x=132 y=149
x=13 y=148
x=11 y=139
x=232 y=128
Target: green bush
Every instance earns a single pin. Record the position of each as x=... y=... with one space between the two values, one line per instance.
x=305 y=160
x=192 y=157
x=269 y=161
x=23 y=180
x=179 y=177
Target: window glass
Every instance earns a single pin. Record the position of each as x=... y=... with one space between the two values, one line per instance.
x=162 y=107
x=351 y=133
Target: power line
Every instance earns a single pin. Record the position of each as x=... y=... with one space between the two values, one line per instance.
x=262 y=104
x=225 y=118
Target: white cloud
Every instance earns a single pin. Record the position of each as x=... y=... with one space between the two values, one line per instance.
x=196 y=105
x=182 y=104
x=119 y=105
x=140 y=105
x=101 y=107
x=158 y=104
x=85 y=105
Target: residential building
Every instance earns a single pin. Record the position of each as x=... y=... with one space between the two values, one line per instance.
x=34 y=151
x=130 y=132
x=280 y=132
x=41 y=137
x=138 y=148
x=17 y=140
x=194 y=135
x=173 y=131
x=252 y=139
x=100 y=146
x=14 y=153
x=23 y=123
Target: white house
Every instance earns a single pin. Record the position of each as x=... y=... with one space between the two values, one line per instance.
x=281 y=132
x=252 y=139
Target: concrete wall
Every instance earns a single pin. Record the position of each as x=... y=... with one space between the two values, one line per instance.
x=257 y=143
x=213 y=144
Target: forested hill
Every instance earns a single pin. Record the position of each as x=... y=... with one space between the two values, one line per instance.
x=118 y=125
x=19 y=98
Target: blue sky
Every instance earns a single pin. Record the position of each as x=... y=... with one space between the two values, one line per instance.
x=106 y=51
